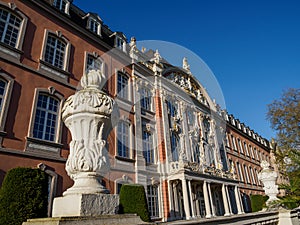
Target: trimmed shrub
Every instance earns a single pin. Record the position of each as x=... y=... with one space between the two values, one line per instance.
x=23 y=195
x=133 y=200
x=258 y=202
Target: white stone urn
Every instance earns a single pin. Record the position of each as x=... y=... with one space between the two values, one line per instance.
x=268 y=178
x=88 y=115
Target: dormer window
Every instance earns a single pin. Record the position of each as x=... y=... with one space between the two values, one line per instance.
x=120 y=41
x=62 y=5
x=94 y=23
x=94 y=26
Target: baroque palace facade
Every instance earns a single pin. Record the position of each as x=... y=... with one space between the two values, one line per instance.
x=193 y=159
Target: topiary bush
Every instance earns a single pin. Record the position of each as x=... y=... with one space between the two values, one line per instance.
x=258 y=202
x=23 y=195
x=133 y=200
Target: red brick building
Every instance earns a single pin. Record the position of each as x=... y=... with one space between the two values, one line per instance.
x=168 y=137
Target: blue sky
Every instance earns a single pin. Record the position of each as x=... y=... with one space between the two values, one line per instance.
x=252 y=47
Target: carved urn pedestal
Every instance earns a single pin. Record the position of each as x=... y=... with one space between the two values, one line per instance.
x=268 y=177
x=87 y=114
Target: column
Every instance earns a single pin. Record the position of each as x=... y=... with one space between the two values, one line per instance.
x=191 y=198
x=238 y=200
x=225 y=200
x=211 y=200
x=206 y=200
x=229 y=202
x=185 y=199
x=175 y=195
x=171 y=199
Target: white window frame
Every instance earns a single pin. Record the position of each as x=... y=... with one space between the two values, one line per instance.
x=148 y=144
x=67 y=6
x=40 y=145
x=252 y=176
x=97 y=22
x=240 y=172
x=124 y=135
x=6 y=49
x=234 y=143
x=124 y=92
x=9 y=82
x=53 y=71
x=52 y=93
x=146 y=98
x=95 y=57
x=240 y=146
x=153 y=200
x=120 y=43
x=246 y=174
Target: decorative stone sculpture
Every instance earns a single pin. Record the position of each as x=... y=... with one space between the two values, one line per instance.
x=268 y=178
x=185 y=65
x=88 y=115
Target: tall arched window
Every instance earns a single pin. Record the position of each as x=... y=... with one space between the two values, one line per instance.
x=123 y=86
x=6 y=85
x=148 y=145
x=9 y=27
x=3 y=85
x=123 y=139
x=152 y=196
x=46 y=117
x=12 y=29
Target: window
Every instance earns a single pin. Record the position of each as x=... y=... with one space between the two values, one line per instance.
x=240 y=146
x=94 y=26
x=46 y=117
x=12 y=29
x=62 y=5
x=238 y=165
x=256 y=154
x=120 y=43
x=172 y=110
x=9 y=28
x=174 y=146
x=148 y=145
x=196 y=152
x=251 y=151
x=55 y=56
x=6 y=85
x=152 y=195
x=123 y=139
x=146 y=97
x=123 y=84
x=191 y=117
x=252 y=176
x=226 y=141
x=246 y=149
x=93 y=63
x=55 y=52
x=246 y=174
x=256 y=175
x=234 y=143
x=3 y=85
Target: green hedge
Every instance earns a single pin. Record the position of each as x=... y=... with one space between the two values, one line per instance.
x=23 y=195
x=258 y=202
x=133 y=200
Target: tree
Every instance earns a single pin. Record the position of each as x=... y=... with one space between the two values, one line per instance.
x=284 y=115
